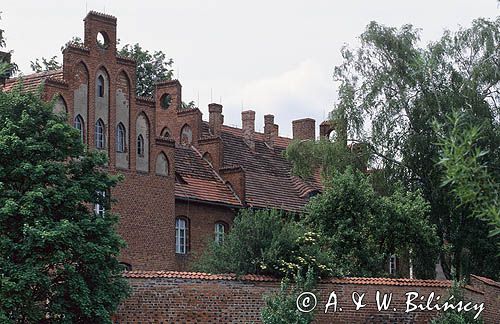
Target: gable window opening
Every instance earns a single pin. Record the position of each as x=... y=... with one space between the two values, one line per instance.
x=220 y=230
x=140 y=145
x=99 y=208
x=78 y=124
x=392 y=264
x=181 y=232
x=120 y=138
x=100 y=86
x=99 y=134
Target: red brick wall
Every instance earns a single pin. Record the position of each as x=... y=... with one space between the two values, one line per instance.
x=184 y=300
x=146 y=207
x=202 y=219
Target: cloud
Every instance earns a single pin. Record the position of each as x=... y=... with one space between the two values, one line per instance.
x=307 y=90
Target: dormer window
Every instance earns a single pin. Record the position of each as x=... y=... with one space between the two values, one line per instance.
x=100 y=86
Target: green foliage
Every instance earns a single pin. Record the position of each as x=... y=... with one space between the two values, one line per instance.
x=363 y=229
x=266 y=242
x=187 y=106
x=151 y=67
x=44 y=64
x=57 y=258
x=453 y=316
x=281 y=308
x=328 y=156
x=391 y=90
x=467 y=175
x=7 y=68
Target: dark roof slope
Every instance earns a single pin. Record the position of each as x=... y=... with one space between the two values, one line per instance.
x=199 y=180
x=269 y=181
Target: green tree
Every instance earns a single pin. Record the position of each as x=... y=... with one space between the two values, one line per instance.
x=151 y=67
x=266 y=242
x=391 y=90
x=44 y=64
x=7 y=68
x=465 y=172
x=453 y=316
x=58 y=259
x=362 y=228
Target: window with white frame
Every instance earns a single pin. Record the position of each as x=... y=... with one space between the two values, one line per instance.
x=392 y=264
x=99 y=134
x=120 y=138
x=99 y=206
x=220 y=230
x=181 y=233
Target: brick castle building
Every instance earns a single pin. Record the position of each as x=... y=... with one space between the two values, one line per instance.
x=185 y=177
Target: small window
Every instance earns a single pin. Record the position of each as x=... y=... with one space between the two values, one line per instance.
x=165 y=101
x=100 y=86
x=102 y=40
x=78 y=124
x=220 y=230
x=392 y=264
x=99 y=208
x=181 y=233
x=99 y=134
x=120 y=138
x=165 y=133
x=140 y=145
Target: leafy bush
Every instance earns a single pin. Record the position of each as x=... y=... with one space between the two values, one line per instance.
x=281 y=307
x=265 y=242
x=453 y=316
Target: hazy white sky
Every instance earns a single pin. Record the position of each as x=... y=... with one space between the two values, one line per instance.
x=270 y=56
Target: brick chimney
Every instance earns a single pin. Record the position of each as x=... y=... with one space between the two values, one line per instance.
x=304 y=129
x=215 y=118
x=248 y=126
x=270 y=130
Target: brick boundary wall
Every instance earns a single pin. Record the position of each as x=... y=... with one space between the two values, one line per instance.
x=187 y=297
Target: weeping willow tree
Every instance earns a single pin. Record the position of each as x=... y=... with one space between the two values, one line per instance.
x=391 y=90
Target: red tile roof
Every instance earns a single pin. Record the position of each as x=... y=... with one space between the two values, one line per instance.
x=200 y=181
x=268 y=176
x=487 y=281
x=346 y=280
x=390 y=282
x=32 y=81
x=195 y=275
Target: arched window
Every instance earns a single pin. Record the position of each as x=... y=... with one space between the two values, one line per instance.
x=220 y=230
x=99 y=206
x=100 y=142
x=165 y=132
x=186 y=135
x=120 y=138
x=100 y=86
x=140 y=145
x=181 y=235
x=78 y=124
